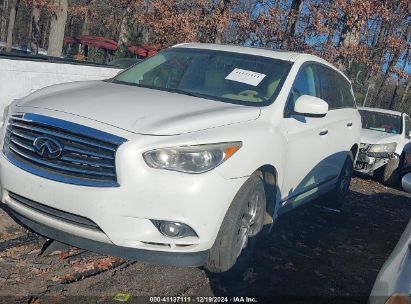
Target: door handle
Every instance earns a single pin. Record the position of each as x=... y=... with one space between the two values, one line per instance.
x=323 y=132
x=349 y=125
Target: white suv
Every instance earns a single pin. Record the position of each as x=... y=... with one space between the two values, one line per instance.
x=183 y=158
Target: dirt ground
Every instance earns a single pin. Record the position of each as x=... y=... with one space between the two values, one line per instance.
x=311 y=251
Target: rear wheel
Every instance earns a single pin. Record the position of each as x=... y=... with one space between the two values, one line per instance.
x=239 y=231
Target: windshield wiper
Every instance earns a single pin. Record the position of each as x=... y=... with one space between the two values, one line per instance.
x=179 y=91
x=171 y=90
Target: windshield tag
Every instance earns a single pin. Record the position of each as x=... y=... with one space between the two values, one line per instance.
x=244 y=76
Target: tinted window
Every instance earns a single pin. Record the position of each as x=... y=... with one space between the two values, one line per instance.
x=335 y=89
x=330 y=87
x=348 y=97
x=304 y=84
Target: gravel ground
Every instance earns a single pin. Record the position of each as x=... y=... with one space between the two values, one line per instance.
x=311 y=251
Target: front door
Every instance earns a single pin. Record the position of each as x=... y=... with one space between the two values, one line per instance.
x=307 y=163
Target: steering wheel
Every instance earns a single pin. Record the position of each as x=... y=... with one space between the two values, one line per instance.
x=250 y=93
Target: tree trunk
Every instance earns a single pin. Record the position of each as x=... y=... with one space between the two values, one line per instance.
x=404 y=95
x=3 y=24
x=35 y=28
x=393 y=62
x=217 y=32
x=85 y=29
x=295 y=10
x=12 y=19
x=45 y=33
x=391 y=106
x=57 y=28
x=124 y=28
x=397 y=85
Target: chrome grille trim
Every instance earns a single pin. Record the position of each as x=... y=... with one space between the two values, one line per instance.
x=87 y=158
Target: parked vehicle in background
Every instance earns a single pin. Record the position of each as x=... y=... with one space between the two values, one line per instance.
x=383 y=138
x=393 y=284
x=21 y=49
x=124 y=63
x=183 y=158
x=406 y=169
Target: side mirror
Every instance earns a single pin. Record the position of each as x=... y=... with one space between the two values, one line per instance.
x=311 y=106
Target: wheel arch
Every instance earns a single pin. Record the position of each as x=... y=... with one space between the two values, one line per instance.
x=269 y=175
x=354 y=151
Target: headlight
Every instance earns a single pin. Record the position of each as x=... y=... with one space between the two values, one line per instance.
x=383 y=148
x=5 y=113
x=191 y=159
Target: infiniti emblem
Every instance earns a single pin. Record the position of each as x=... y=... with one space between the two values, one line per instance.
x=47 y=147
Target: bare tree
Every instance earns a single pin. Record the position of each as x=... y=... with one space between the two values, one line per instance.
x=295 y=10
x=12 y=19
x=35 y=28
x=57 y=28
x=3 y=23
x=125 y=27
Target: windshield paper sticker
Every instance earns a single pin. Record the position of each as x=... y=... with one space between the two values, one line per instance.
x=244 y=76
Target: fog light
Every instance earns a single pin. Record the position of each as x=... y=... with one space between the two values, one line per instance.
x=174 y=229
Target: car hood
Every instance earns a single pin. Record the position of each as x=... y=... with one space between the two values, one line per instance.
x=138 y=110
x=378 y=137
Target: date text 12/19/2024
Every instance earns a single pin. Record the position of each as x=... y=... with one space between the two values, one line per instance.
x=203 y=300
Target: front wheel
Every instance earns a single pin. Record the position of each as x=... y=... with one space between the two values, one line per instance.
x=342 y=188
x=391 y=176
x=239 y=231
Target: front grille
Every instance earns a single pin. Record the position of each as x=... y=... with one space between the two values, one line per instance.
x=85 y=156
x=364 y=147
x=55 y=213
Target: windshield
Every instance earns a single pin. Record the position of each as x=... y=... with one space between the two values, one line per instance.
x=224 y=76
x=382 y=122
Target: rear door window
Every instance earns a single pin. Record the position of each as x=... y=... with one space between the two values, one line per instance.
x=335 y=89
x=347 y=93
x=330 y=87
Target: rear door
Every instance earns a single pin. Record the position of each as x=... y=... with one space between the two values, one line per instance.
x=342 y=116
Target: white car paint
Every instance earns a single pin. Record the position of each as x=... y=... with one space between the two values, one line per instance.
x=306 y=152
x=376 y=137
x=170 y=114
x=394 y=277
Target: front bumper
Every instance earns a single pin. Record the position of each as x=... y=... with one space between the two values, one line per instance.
x=124 y=213
x=369 y=162
x=182 y=259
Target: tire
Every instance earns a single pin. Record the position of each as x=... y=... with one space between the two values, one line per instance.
x=392 y=171
x=339 y=195
x=239 y=232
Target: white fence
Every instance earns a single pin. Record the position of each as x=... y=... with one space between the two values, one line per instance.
x=19 y=78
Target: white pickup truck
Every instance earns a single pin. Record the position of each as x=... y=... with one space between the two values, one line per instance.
x=383 y=137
